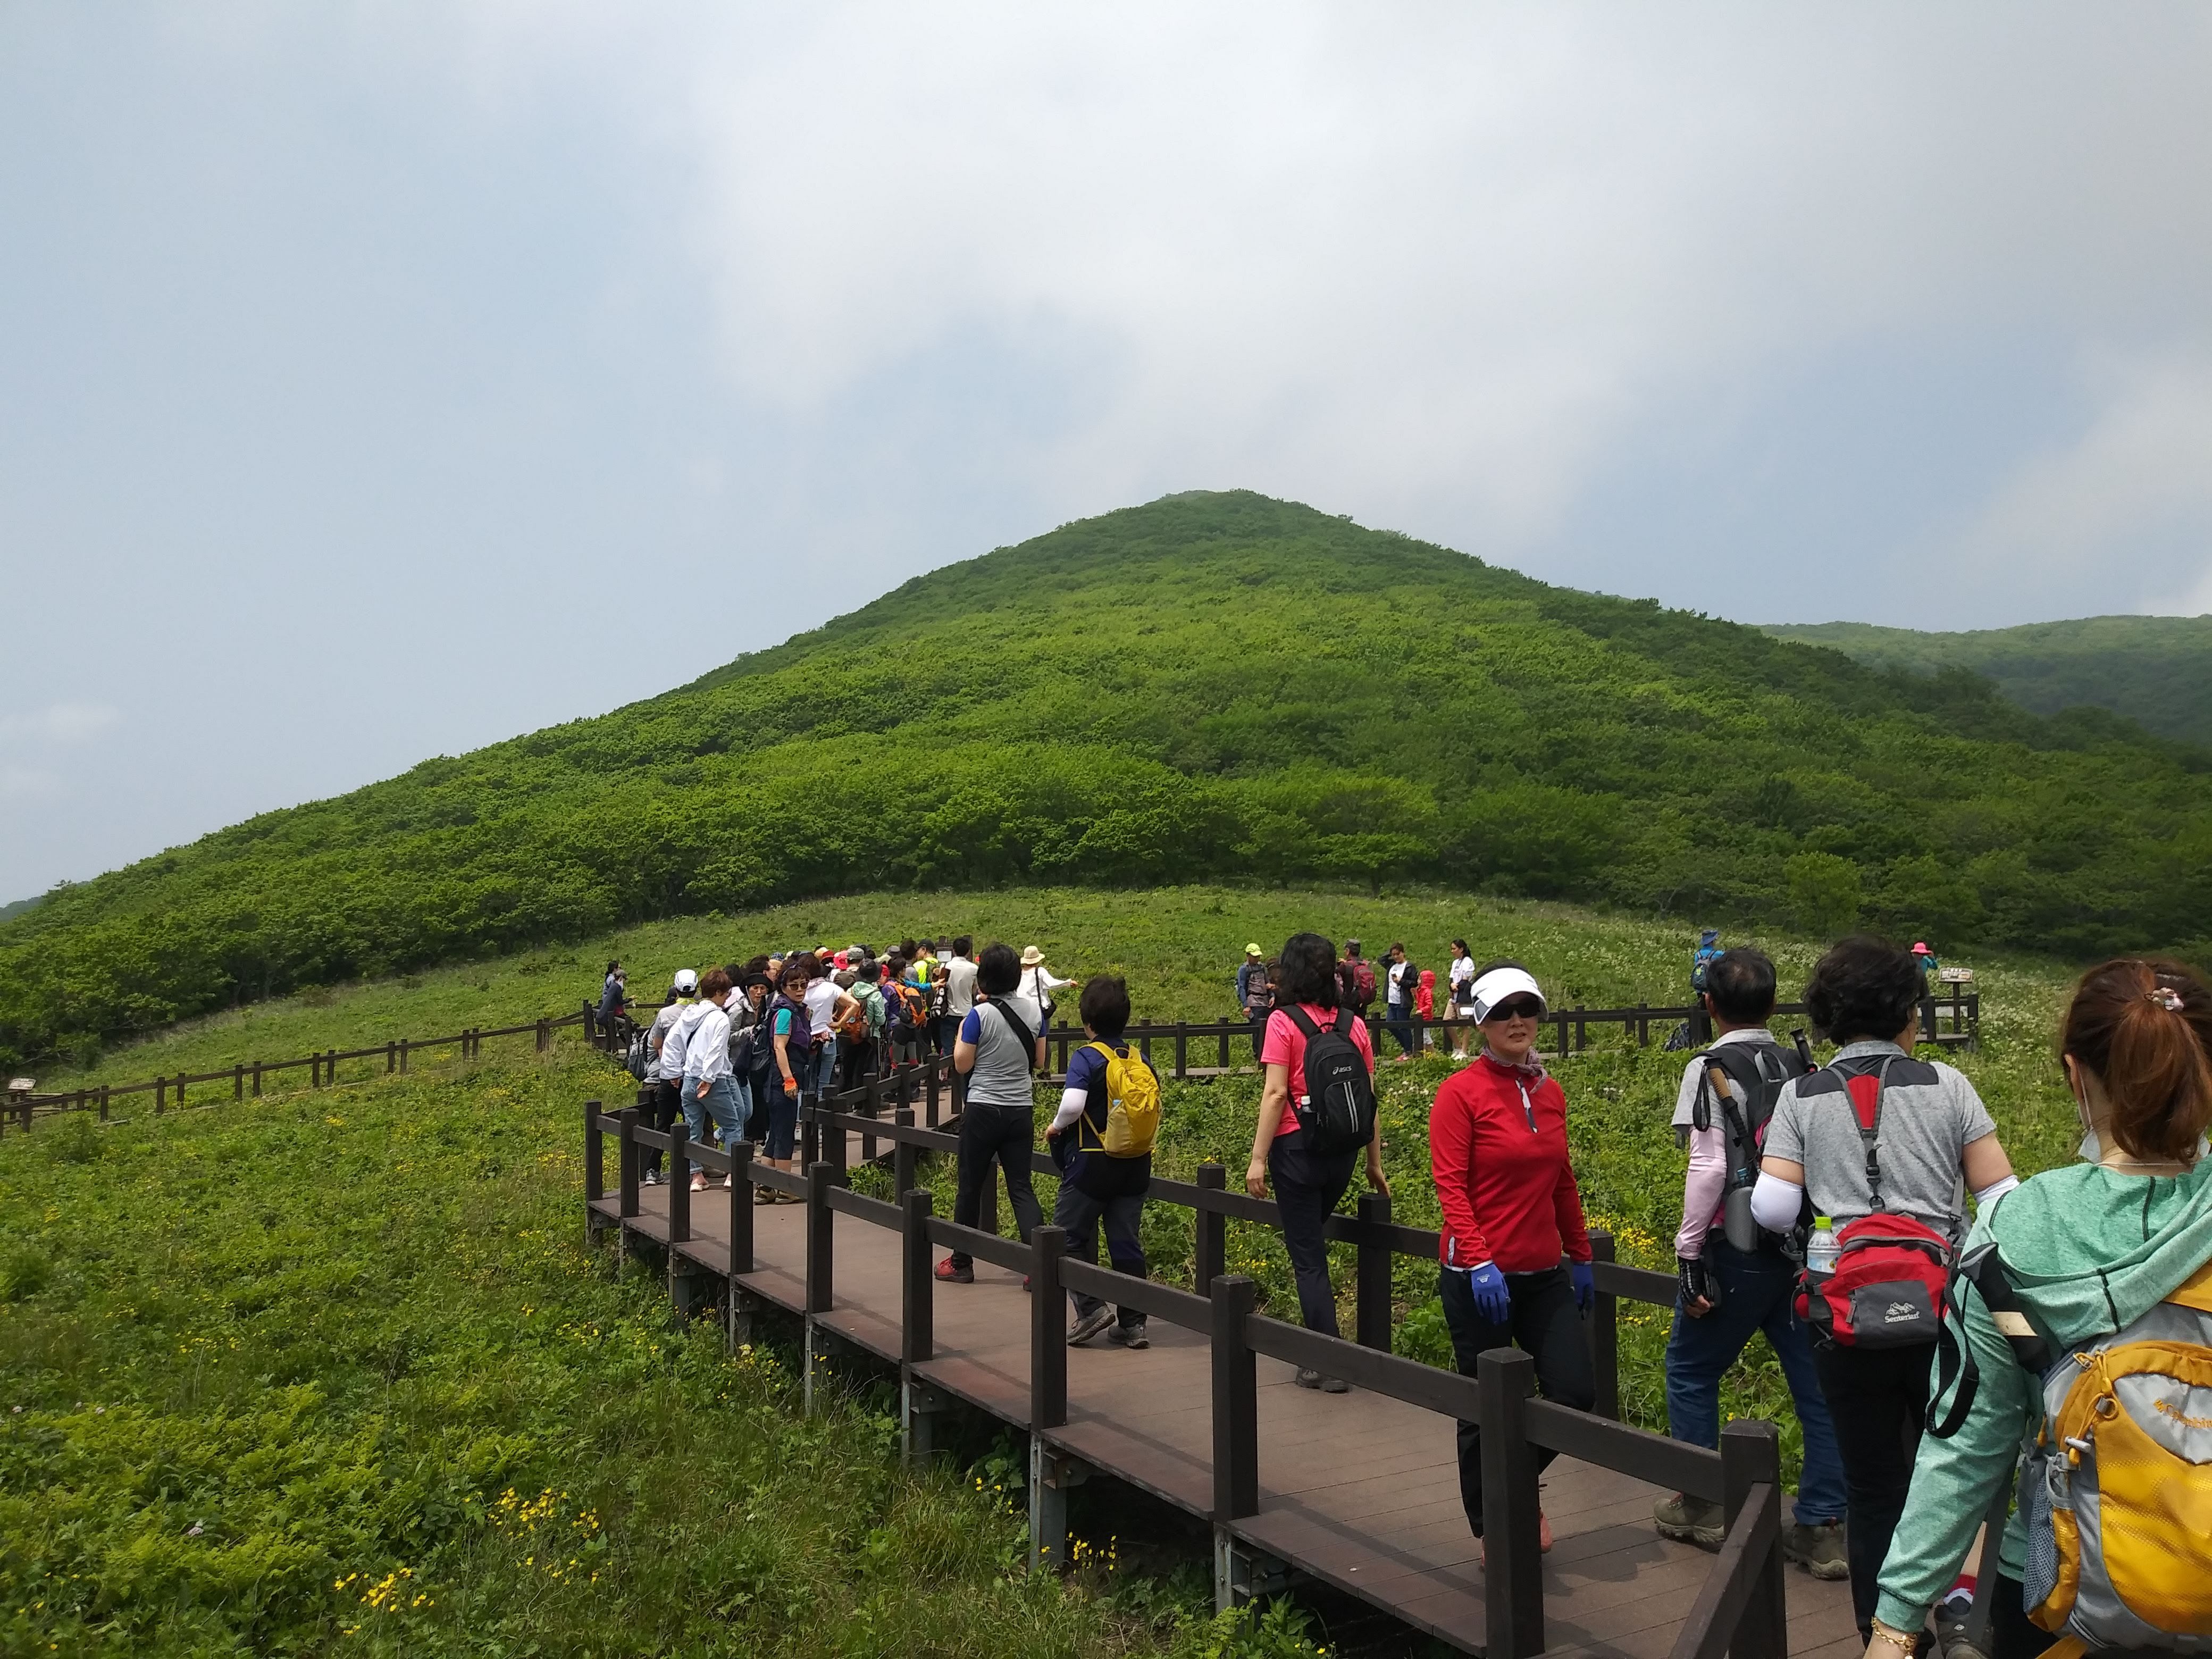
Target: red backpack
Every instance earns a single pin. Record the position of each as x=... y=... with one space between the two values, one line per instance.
x=1892 y=1272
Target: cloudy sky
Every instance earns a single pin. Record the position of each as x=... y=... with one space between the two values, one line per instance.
x=380 y=380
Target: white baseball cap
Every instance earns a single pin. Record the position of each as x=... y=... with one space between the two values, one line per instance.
x=1501 y=985
x=686 y=979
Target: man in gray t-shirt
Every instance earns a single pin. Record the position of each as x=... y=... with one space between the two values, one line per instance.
x=1929 y=1116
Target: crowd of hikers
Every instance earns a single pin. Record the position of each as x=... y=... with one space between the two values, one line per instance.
x=2058 y=1332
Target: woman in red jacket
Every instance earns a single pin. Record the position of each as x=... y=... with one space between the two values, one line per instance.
x=1515 y=1253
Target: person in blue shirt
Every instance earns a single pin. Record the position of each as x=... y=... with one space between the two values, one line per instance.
x=1093 y=1185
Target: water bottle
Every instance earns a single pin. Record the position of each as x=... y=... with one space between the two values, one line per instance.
x=1821 y=1250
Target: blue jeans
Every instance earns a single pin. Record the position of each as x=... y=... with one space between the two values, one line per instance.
x=723 y=1104
x=1756 y=1294
x=825 y=1063
x=1401 y=1022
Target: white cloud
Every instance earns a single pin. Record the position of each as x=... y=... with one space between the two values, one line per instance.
x=2131 y=498
x=60 y=723
x=1433 y=258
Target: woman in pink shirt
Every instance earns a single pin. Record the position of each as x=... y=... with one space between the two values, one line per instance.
x=1308 y=1185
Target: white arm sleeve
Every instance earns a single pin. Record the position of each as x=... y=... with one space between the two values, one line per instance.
x=1985 y=1196
x=1775 y=1202
x=1071 y=1108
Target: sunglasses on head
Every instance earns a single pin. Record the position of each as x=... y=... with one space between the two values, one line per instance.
x=1518 y=1008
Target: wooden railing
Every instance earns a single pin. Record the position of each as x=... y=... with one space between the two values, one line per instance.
x=1741 y=1608
x=246 y=1079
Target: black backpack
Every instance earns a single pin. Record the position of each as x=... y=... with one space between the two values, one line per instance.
x=1756 y=1072
x=1338 y=1112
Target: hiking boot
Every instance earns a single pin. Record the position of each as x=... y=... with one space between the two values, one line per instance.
x=951 y=1273
x=1817 y=1548
x=1130 y=1336
x=1089 y=1326
x=1691 y=1521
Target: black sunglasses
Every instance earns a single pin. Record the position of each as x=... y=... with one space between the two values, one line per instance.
x=1516 y=1008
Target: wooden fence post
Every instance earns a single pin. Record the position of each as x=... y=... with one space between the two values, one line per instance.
x=741 y=1208
x=1235 y=1403
x=917 y=1288
x=1513 y=1573
x=595 y=1174
x=1371 y=1319
x=1605 y=1335
x=404 y=1045
x=103 y=1103
x=1751 y=1453
x=679 y=1183
x=1048 y=1330
x=238 y=1083
x=161 y=1095
x=1183 y=1052
x=625 y=1122
x=821 y=1236
x=1209 y=1248
x=902 y=1154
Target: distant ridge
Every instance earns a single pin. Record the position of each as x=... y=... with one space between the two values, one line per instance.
x=1214 y=686
x=2156 y=671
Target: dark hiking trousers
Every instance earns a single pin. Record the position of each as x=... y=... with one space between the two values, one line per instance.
x=1877 y=1399
x=1307 y=1191
x=1543 y=1323
x=1004 y=1135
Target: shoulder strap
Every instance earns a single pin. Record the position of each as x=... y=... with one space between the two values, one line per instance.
x=1342 y=1024
x=1869 y=1134
x=1300 y=1018
x=1983 y=1267
x=1017 y=1025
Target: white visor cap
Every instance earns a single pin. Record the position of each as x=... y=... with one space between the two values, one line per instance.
x=1503 y=985
x=686 y=979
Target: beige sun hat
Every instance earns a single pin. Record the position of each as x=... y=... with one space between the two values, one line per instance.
x=1031 y=956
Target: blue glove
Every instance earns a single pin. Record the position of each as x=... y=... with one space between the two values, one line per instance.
x=1491 y=1299
x=1584 y=1279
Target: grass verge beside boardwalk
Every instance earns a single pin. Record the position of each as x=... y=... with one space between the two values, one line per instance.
x=336 y=1374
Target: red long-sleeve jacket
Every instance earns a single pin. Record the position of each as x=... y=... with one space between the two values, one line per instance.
x=1497 y=1148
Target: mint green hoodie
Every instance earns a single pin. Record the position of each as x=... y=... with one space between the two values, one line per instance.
x=2091 y=1251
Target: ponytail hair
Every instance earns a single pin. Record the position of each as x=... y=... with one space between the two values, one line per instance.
x=2145 y=1027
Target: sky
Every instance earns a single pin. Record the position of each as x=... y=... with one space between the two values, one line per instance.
x=381 y=380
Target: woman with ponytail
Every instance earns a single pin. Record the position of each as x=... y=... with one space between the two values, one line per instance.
x=2085 y=1251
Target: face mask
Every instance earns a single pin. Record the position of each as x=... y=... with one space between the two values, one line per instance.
x=2090 y=1151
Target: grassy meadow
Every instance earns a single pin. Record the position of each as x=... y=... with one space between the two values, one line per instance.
x=332 y=1372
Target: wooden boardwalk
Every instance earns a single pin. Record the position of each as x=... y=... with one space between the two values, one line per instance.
x=1360 y=1490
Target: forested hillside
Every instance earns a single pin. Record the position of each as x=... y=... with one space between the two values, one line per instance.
x=1211 y=685
x=2156 y=671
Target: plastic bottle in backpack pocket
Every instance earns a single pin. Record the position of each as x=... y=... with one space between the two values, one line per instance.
x=1821 y=1250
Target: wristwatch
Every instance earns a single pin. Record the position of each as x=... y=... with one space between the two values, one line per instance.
x=1897 y=1638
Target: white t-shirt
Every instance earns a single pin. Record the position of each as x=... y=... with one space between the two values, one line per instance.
x=959 y=986
x=1462 y=979
x=821 y=1003
x=1400 y=992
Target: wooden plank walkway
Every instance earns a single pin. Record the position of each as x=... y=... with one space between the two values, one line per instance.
x=1358 y=1490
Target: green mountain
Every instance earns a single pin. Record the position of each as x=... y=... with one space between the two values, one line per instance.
x=2155 y=671
x=1211 y=685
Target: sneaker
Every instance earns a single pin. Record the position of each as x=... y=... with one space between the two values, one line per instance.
x=699 y=1181
x=955 y=1275
x=1308 y=1378
x=1543 y=1532
x=650 y=1178
x=1334 y=1385
x=1130 y=1336
x=1819 y=1548
x=1089 y=1326
x=1691 y=1521
x=1025 y=1282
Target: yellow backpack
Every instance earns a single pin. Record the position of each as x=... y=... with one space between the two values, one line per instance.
x=1133 y=1106
x=2116 y=1489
